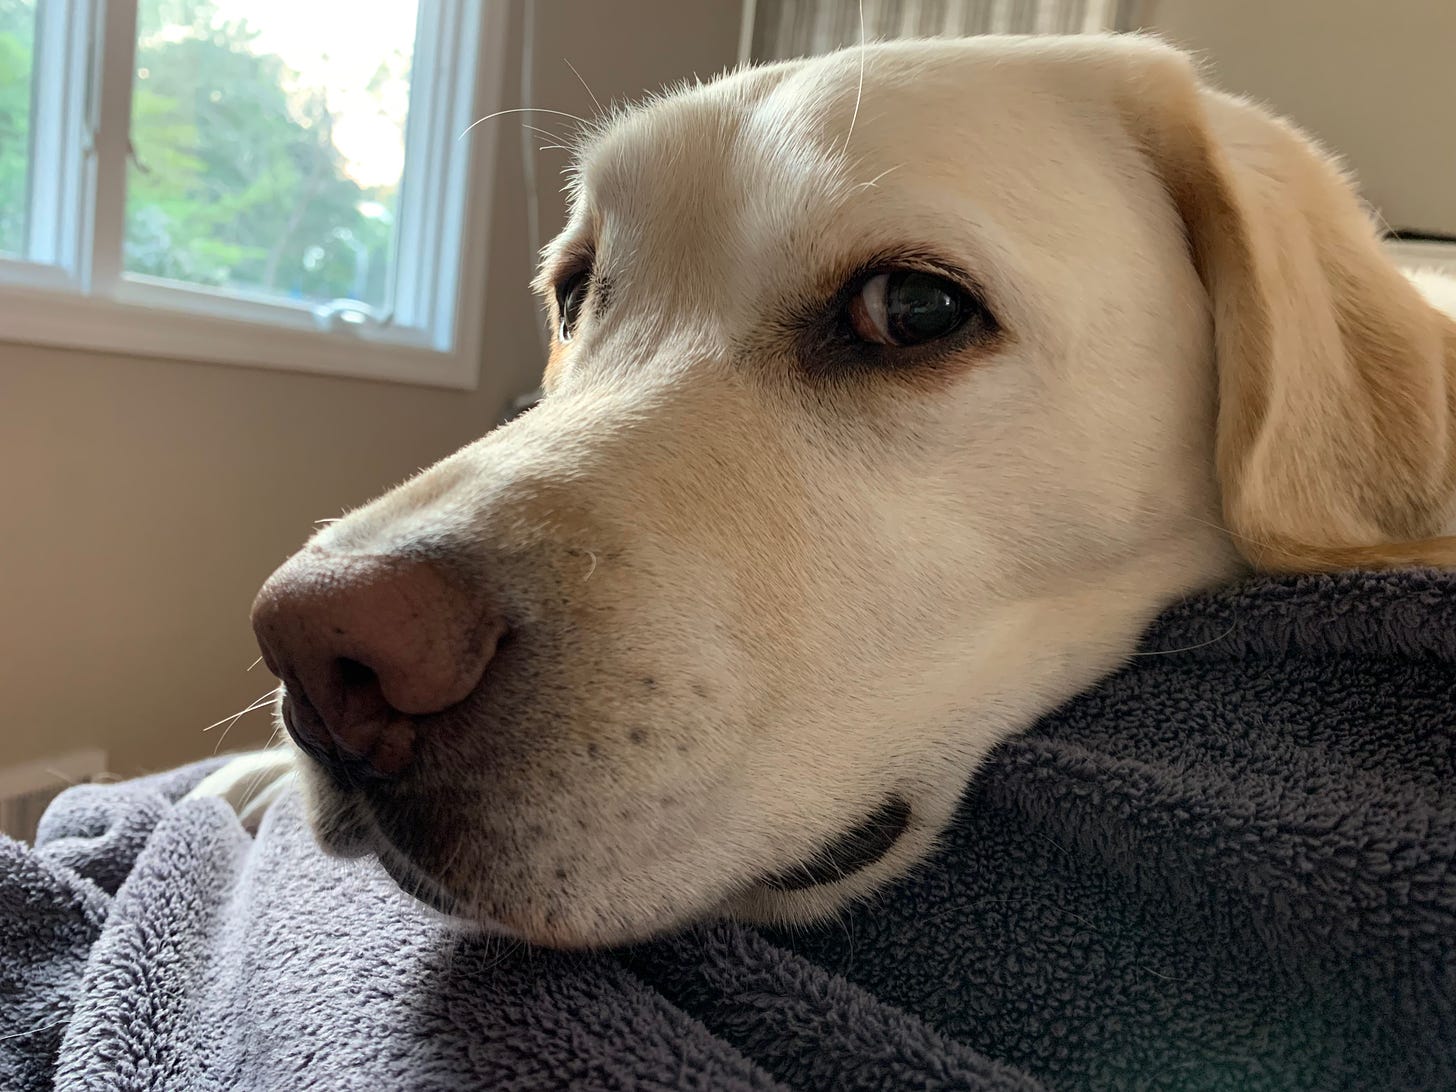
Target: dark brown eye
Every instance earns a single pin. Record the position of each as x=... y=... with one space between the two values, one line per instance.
x=570 y=298
x=903 y=307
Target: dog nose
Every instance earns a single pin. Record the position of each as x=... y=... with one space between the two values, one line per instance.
x=365 y=644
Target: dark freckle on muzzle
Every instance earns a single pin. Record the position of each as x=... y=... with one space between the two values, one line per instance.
x=857 y=848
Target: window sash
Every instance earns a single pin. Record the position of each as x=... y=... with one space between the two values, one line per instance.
x=433 y=190
x=70 y=287
x=60 y=139
x=114 y=66
x=780 y=29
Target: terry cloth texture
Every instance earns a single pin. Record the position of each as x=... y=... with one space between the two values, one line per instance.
x=1230 y=866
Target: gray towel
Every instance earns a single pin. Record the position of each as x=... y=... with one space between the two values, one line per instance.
x=1229 y=866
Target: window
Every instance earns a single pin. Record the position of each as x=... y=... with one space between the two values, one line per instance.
x=778 y=29
x=275 y=182
x=17 y=47
x=1317 y=72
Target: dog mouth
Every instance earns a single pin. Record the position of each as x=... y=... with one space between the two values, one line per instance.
x=853 y=851
x=413 y=881
x=839 y=858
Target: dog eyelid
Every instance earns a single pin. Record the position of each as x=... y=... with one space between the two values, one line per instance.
x=903 y=306
x=571 y=295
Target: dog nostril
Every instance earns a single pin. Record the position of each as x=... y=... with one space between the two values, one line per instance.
x=370 y=644
x=360 y=712
x=355 y=676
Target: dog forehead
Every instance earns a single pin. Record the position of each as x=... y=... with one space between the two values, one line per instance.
x=779 y=153
x=702 y=157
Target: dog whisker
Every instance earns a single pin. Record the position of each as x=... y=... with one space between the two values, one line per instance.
x=256 y=703
x=265 y=700
x=256 y=781
x=1232 y=533
x=539 y=131
x=508 y=945
x=36 y=1031
x=876 y=179
x=522 y=110
x=595 y=101
x=1190 y=648
x=859 y=91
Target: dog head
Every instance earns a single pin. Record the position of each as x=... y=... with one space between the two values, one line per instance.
x=891 y=394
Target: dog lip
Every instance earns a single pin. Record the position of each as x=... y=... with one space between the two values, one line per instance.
x=297 y=712
x=856 y=849
x=349 y=770
x=412 y=880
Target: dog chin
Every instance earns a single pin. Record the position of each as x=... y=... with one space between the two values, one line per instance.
x=339 y=825
x=859 y=860
x=344 y=831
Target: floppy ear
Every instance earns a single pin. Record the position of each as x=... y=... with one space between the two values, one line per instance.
x=1336 y=431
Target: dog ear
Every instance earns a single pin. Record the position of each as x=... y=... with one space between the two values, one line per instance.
x=1336 y=429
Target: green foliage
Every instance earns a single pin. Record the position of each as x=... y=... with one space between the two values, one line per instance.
x=239 y=183
x=17 y=33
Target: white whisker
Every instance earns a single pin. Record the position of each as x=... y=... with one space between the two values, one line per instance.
x=875 y=180
x=521 y=110
x=1232 y=533
x=1189 y=648
x=257 y=703
x=595 y=101
x=35 y=1031
x=859 y=92
x=256 y=781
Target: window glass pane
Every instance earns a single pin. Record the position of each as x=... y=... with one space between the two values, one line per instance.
x=17 y=43
x=799 y=28
x=269 y=143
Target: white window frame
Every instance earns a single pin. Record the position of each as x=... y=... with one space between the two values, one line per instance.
x=69 y=289
x=1428 y=254
x=838 y=23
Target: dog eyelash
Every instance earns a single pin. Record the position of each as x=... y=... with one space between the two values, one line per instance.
x=577 y=277
x=829 y=342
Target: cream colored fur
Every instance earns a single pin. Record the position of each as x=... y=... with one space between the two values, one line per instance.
x=757 y=599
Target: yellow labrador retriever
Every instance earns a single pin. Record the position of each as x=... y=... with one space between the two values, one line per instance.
x=893 y=392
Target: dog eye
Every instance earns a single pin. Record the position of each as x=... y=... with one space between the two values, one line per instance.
x=906 y=307
x=570 y=297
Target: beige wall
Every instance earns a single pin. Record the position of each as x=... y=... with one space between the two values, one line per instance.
x=1375 y=81
x=143 y=502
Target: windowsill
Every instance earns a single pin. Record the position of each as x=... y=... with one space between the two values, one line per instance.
x=65 y=320
x=60 y=319
x=1419 y=254
x=70 y=288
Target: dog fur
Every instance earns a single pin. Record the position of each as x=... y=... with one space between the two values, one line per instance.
x=760 y=586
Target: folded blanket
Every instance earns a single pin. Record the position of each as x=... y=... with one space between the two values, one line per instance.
x=1229 y=866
